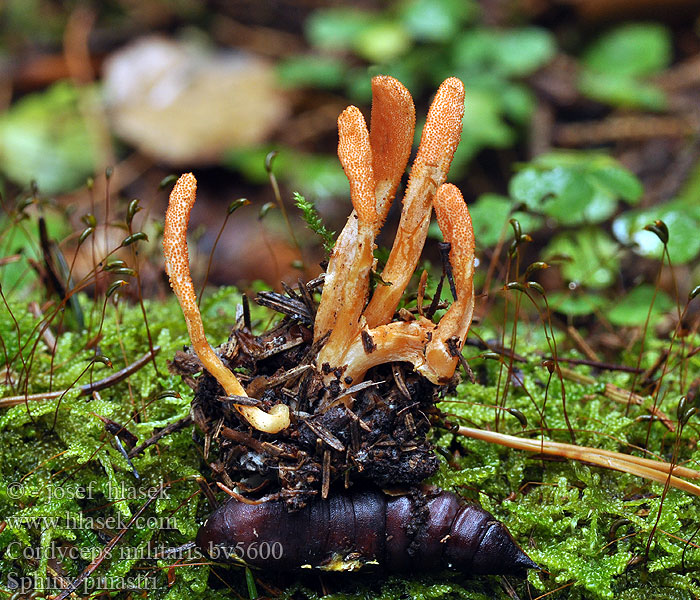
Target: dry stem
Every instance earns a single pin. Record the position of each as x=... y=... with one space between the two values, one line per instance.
x=642 y=467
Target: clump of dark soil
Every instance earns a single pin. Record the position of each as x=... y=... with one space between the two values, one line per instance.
x=372 y=432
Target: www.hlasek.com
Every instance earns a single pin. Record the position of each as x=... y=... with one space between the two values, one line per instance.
x=24 y=584
x=81 y=521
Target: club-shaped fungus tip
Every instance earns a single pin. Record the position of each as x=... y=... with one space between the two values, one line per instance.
x=177 y=265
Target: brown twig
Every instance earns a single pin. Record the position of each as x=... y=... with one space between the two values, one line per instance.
x=624 y=128
x=168 y=429
x=87 y=389
x=582 y=343
x=658 y=471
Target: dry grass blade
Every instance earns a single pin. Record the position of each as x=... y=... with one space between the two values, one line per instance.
x=642 y=467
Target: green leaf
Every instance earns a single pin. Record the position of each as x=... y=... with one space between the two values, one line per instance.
x=250 y=582
x=690 y=192
x=485 y=60
x=336 y=28
x=613 y=64
x=435 y=20
x=683 y=221
x=510 y=53
x=523 y=51
x=574 y=187
x=576 y=304
x=518 y=103
x=490 y=215
x=621 y=90
x=474 y=51
x=574 y=195
x=323 y=72
x=319 y=176
x=483 y=125
x=594 y=257
x=44 y=137
x=617 y=180
x=632 y=50
x=633 y=308
x=382 y=41
x=562 y=193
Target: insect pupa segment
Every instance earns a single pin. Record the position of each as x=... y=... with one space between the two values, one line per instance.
x=365 y=527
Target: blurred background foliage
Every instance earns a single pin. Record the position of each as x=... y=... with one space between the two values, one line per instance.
x=581 y=121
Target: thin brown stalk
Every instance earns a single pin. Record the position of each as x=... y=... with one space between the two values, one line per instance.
x=85 y=390
x=642 y=467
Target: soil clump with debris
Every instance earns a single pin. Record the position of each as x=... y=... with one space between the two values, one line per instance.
x=382 y=439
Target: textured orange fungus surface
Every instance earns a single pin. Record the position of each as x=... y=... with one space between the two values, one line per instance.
x=358 y=332
x=374 y=163
x=177 y=265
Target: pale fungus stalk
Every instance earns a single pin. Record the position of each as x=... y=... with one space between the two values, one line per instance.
x=432 y=349
x=390 y=138
x=360 y=338
x=456 y=226
x=354 y=261
x=441 y=135
x=177 y=265
x=400 y=341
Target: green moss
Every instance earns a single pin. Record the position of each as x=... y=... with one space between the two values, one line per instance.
x=587 y=527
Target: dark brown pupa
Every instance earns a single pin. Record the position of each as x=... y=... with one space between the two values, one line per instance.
x=349 y=530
